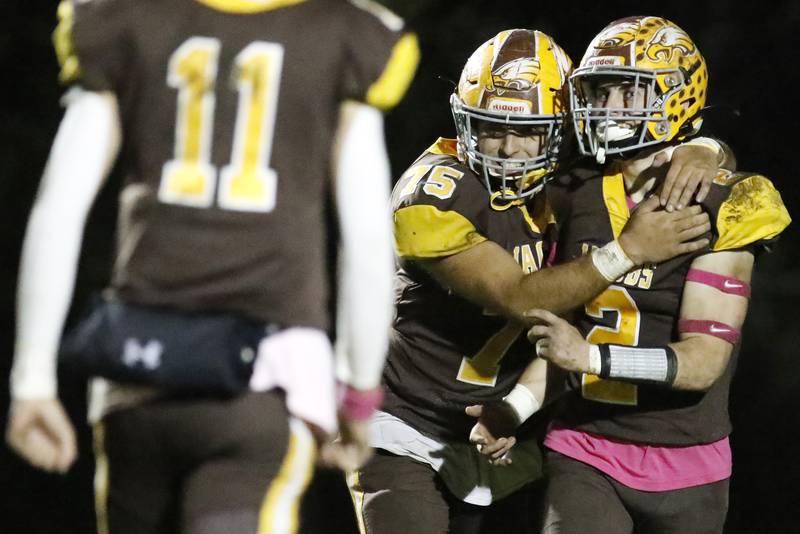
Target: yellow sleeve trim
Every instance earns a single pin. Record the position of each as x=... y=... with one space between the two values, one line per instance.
x=387 y=91
x=248 y=6
x=754 y=211
x=62 y=41
x=543 y=216
x=426 y=232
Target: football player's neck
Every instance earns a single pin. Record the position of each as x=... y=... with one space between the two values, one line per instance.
x=639 y=176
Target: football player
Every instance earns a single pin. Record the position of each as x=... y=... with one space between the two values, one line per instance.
x=473 y=233
x=223 y=114
x=641 y=442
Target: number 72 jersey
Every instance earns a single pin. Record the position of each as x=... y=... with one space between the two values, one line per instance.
x=228 y=112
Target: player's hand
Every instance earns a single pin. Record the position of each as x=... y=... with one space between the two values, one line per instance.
x=653 y=235
x=692 y=168
x=558 y=342
x=493 y=433
x=40 y=431
x=351 y=449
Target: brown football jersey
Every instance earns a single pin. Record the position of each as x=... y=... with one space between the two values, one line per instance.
x=642 y=308
x=447 y=353
x=228 y=112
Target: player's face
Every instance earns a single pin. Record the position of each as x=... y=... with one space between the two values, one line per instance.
x=618 y=94
x=507 y=142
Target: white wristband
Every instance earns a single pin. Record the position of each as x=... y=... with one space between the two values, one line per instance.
x=595 y=362
x=523 y=402
x=611 y=261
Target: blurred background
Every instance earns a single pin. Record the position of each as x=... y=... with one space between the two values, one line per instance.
x=752 y=52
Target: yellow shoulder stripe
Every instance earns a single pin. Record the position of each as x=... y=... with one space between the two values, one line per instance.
x=423 y=231
x=443 y=147
x=616 y=203
x=248 y=6
x=754 y=211
x=387 y=91
x=543 y=215
x=62 y=41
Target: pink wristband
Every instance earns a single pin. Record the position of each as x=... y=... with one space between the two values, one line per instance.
x=711 y=328
x=726 y=284
x=359 y=405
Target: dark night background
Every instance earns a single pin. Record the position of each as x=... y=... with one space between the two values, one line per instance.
x=752 y=52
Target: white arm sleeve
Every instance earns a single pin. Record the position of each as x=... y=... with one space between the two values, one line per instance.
x=83 y=151
x=365 y=302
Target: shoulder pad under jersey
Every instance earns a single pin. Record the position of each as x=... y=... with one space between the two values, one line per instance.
x=439 y=205
x=745 y=209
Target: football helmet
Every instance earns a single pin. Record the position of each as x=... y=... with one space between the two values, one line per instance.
x=661 y=62
x=515 y=82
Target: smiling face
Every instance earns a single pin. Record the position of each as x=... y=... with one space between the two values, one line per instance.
x=511 y=142
x=509 y=107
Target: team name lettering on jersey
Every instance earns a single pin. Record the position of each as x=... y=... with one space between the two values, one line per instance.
x=529 y=258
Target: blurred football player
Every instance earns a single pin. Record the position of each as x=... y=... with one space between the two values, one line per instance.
x=472 y=233
x=224 y=114
x=641 y=442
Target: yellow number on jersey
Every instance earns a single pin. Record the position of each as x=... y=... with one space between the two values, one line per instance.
x=483 y=368
x=413 y=175
x=247 y=183
x=625 y=332
x=440 y=183
x=189 y=178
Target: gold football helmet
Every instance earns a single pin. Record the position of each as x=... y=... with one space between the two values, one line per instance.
x=514 y=81
x=658 y=59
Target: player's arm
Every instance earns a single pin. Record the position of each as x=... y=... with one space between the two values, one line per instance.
x=493 y=433
x=83 y=151
x=364 y=307
x=488 y=275
x=713 y=309
x=714 y=305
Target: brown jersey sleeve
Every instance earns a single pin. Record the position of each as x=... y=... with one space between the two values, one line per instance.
x=91 y=42
x=382 y=56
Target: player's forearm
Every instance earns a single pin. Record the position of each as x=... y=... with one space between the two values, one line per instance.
x=535 y=378
x=366 y=258
x=701 y=361
x=82 y=153
x=557 y=289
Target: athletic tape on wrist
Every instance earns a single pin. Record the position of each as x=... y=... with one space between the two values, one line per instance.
x=722 y=331
x=595 y=360
x=726 y=284
x=359 y=405
x=523 y=402
x=658 y=364
x=611 y=261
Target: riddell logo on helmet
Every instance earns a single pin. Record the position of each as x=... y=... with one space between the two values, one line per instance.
x=604 y=61
x=509 y=106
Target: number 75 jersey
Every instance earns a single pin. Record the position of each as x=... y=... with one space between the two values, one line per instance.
x=228 y=112
x=447 y=353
